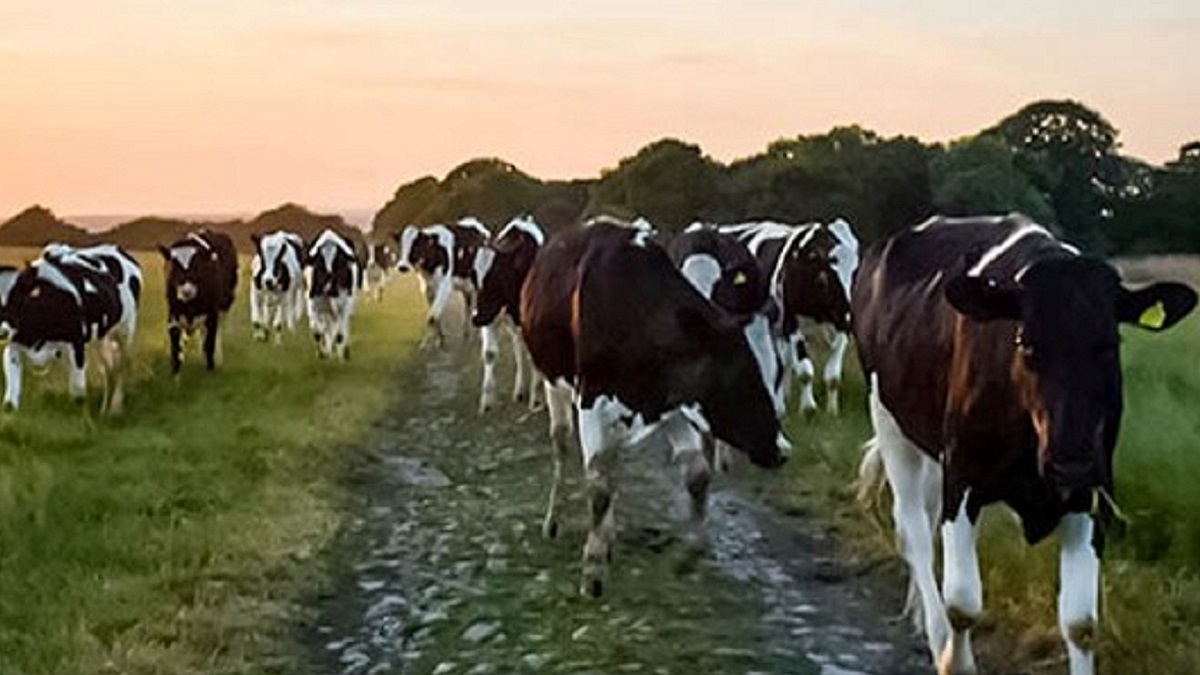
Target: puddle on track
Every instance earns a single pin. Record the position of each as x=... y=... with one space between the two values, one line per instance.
x=442 y=567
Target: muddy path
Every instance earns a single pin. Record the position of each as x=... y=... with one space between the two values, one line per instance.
x=441 y=567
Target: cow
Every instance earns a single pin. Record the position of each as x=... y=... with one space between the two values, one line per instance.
x=202 y=275
x=334 y=277
x=809 y=268
x=381 y=260
x=501 y=268
x=614 y=328
x=724 y=271
x=277 y=288
x=61 y=304
x=992 y=353
x=444 y=258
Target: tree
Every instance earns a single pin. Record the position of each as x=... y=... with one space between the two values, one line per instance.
x=979 y=175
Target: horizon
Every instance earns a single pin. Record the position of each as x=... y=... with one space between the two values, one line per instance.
x=222 y=106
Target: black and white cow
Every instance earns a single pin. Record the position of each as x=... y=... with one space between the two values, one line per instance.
x=615 y=328
x=809 y=268
x=501 y=268
x=334 y=277
x=202 y=273
x=724 y=271
x=277 y=290
x=381 y=260
x=993 y=357
x=444 y=258
x=63 y=303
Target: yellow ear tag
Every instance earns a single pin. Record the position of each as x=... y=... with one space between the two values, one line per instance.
x=739 y=279
x=1154 y=316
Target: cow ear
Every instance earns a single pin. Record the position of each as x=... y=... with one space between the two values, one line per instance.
x=166 y=252
x=1156 y=307
x=256 y=238
x=984 y=299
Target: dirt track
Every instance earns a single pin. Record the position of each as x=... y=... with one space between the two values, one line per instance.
x=442 y=568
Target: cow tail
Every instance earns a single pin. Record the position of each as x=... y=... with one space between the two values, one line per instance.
x=871 y=479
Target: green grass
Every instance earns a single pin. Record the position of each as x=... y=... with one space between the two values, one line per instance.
x=1151 y=597
x=176 y=538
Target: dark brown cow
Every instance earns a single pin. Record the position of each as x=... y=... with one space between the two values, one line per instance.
x=993 y=356
x=500 y=269
x=613 y=326
x=202 y=273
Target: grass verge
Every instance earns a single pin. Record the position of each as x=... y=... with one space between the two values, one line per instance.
x=177 y=538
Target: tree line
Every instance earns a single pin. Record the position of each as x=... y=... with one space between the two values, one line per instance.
x=1060 y=162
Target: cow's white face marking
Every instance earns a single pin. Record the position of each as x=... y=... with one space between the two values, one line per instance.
x=407 y=238
x=845 y=253
x=328 y=254
x=703 y=271
x=183 y=255
x=642 y=238
x=483 y=263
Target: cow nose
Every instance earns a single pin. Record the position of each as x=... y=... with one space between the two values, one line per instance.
x=186 y=292
x=404 y=267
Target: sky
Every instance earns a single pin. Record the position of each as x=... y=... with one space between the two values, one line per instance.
x=233 y=106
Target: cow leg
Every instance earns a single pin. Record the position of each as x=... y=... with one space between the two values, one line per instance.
x=489 y=348
x=343 y=330
x=535 y=382
x=687 y=447
x=175 y=335
x=257 y=321
x=962 y=589
x=558 y=401
x=833 y=371
x=519 y=378
x=117 y=364
x=12 y=377
x=77 y=378
x=910 y=473
x=211 y=340
x=802 y=366
x=468 y=310
x=1079 y=568
x=598 y=441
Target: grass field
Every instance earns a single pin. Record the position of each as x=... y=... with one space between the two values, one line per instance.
x=176 y=538
x=1151 y=598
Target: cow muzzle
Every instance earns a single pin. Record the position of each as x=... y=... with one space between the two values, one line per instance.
x=404 y=267
x=6 y=331
x=186 y=292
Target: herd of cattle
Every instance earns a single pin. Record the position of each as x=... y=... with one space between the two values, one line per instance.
x=990 y=348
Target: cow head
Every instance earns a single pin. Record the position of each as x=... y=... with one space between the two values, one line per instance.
x=43 y=304
x=406 y=239
x=1065 y=359
x=500 y=270
x=193 y=269
x=811 y=281
x=740 y=401
x=722 y=269
x=333 y=266
x=278 y=259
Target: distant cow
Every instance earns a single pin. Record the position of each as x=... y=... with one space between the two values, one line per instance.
x=335 y=275
x=615 y=328
x=202 y=273
x=444 y=258
x=501 y=268
x=277 y=290
x=993 y=355
x=59 y=305
x=381 y=260
x=809 y=268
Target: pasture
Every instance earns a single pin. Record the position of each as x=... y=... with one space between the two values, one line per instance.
x=178 y=537
x=190 y=534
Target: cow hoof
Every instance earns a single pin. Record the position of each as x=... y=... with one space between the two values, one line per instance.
x=9 y=406
x=519 y=397
x=593 y=588
x=550 y=529
x=485 y=409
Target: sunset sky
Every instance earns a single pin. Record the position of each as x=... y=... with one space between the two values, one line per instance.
x=187 y=106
